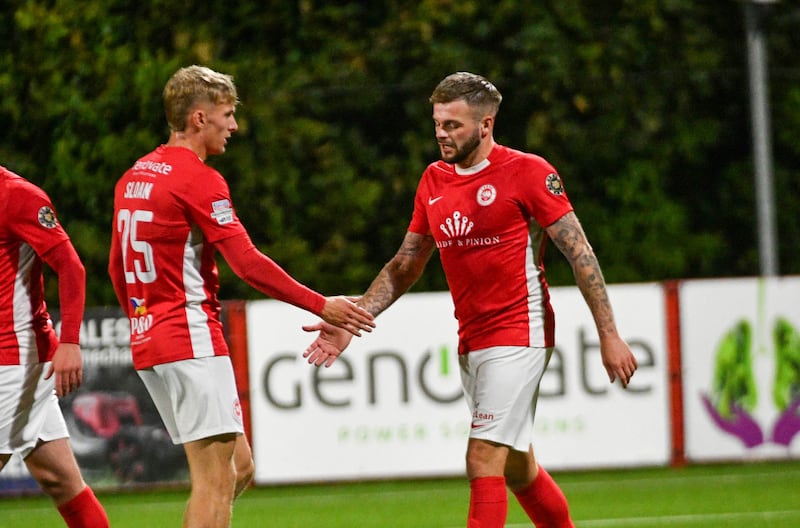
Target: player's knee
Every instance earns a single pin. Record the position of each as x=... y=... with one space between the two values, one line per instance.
x=520 y=470
x=485 y=458
x=517 y=481
x=53 y=485
x=244 y=474
x=48 y=482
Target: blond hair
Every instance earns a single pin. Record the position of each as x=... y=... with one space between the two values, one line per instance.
x=192 y=85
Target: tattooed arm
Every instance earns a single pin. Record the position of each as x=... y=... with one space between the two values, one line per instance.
x=399 y=274
x=568 y=236
x=396 y=277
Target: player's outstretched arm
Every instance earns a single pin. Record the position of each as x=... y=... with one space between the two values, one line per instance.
x=328 y=345
x=265 y=275
x=569 y=237
x=396 y=277
x=340 y=311
x=399 y=274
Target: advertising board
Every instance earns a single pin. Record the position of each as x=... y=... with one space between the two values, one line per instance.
x=115 y=432
x=391 y=405
x=741 y=368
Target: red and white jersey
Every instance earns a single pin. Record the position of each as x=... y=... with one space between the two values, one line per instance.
x=28 y=228
x=488 y=222
x=169 y=210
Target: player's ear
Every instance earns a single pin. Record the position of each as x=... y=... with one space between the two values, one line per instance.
x=486 y=125
x=197 y=118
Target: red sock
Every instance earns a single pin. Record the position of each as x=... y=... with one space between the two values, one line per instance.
x=545 y=503
x=488 y=503
x=84 y=511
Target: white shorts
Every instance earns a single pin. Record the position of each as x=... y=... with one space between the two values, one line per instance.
x=29 y=410
x=196 y=398
x=501 y=386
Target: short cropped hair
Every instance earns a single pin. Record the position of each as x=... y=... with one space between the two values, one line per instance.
x=478 y=92
x=192 y=85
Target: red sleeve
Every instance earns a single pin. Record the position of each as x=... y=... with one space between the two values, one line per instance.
x=34 y=217
x=263 y=274
x=71 y=288
x=419 y=218
x=211 y=207
x=545 y=197
x=116 y=271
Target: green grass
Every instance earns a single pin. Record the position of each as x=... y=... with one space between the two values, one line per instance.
x=754 y=495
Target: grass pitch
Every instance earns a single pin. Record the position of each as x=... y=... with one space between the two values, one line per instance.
x=755 y=494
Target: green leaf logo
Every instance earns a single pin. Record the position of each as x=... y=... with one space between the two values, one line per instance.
x=734 y=384
x=787 y=364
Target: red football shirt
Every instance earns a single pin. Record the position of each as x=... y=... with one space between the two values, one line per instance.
x=488 y=222
x=28 y=228
x=169 y=210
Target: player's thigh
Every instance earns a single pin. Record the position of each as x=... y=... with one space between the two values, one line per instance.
x=211 y=459
x=160 y=395
x=500 y=386
x=29 y=409
x=502 y=373
x=196 y=398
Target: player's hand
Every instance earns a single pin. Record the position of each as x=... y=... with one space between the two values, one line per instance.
x=619 y=361
x=330 y=342
x=67 y=365
x=343 y=312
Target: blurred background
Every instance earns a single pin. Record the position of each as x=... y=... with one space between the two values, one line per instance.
x=644 y=107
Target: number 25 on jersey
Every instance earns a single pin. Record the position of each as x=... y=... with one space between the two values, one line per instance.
x=143 y=264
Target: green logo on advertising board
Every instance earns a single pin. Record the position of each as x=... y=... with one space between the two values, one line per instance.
x=733 y=394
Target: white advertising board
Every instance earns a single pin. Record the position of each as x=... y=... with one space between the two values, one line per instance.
x=391 y=406
x=582 y=420
x=736 y=390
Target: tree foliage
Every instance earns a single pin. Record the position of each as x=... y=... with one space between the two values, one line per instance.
x=642 y=105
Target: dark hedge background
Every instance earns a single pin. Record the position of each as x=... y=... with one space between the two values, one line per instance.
x=642 y=105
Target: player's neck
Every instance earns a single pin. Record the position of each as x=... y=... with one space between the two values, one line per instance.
x=479 y=155
x=182 y=139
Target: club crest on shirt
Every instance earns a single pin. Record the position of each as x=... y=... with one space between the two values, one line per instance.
x=554 y=184
x=47 y=217
x=486 y=194
x=222 y=211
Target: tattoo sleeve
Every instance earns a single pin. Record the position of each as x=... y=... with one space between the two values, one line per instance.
x=399 y=274
x=569 y=237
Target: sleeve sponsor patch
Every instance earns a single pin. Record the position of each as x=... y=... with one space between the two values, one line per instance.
x=47 y=217
x=222 y=211
x=554 y=184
